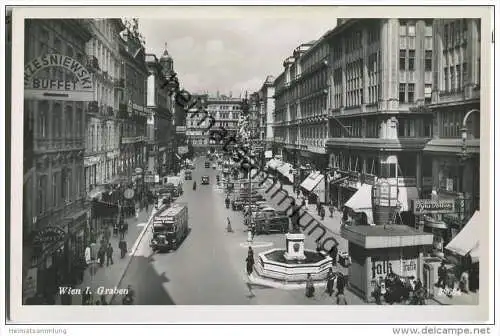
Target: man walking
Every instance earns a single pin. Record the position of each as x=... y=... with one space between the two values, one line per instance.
x=333 y=254
x=442 y=276
x=109 y=255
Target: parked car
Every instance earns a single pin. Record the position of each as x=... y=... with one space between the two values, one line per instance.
x=205 y=179
x=207 y=164
x=265 y=224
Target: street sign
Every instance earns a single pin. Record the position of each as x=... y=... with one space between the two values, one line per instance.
x=128 y=194
x=426 y=206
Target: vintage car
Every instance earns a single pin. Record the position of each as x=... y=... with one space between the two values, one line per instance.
x=188 y=175
x=267 y=224
x=205 y=179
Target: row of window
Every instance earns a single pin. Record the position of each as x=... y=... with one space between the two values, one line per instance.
x=455 y=33
x=408 y=28
x=107 y=169
x=63 y=120
x=455 y=77
x=101 y=138
x=65 y=186
x=314 y=57
x=406 y=128
x=224 y=107
x=313 y=106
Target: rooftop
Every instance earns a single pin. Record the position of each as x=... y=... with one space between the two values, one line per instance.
x=385 y=236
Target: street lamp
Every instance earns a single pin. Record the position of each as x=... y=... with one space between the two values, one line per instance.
x=463 y=156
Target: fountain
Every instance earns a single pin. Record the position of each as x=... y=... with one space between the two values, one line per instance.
x=292 y=264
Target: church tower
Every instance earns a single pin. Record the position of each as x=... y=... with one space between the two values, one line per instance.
x=166 y=62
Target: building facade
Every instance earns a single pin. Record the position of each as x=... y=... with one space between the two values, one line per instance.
x=453 y=152
x=102 y=148
x=54 y=208
x=266 y=112
x=225 y=113
x=132 y=107
x=160 y=124
x=380 y=75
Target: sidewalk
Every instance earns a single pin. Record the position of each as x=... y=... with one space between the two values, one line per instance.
x=108 y=277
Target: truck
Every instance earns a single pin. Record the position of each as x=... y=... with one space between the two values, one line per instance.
x=265 y=223
x=170 y=227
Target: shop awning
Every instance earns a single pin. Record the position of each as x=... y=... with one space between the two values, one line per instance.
x=312 y=181
x=285 y=171
x=274 y=163
x=467 y=240
x=361 y=201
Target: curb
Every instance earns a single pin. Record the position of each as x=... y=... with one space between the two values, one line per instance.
x=141 y=235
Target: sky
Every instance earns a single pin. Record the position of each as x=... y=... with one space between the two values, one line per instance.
x=229 y=55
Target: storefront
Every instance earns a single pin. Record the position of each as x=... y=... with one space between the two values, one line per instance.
x=377 y=251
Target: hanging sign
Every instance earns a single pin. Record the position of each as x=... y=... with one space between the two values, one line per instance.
x=49 y=235
x=40 y=86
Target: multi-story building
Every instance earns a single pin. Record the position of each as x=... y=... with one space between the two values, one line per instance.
x=453 y=152
x=132 y=110
x=103 y=127
x=225 y=112
x=54 y=207
x=380 y=77
x=197 y=123
x=266 y=112
x=160 y=129
x=254 y=117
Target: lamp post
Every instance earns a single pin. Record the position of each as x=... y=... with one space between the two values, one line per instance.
x=463 y=156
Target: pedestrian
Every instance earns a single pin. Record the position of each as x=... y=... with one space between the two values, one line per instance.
x=309 y=286
x=331 y=208
x=102 y=255
x=98 y=303
x=322 y=212
x=330 y=280
x=340 y=284
x=109 y=255
x=318 y=206
x=304 y=203
x=442 y=276
x=229 y=228
x=333 y=254
x=122 y=246
x=250 y=261
x=103 y=300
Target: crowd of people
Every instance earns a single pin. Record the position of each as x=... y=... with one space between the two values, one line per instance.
x=395 y=289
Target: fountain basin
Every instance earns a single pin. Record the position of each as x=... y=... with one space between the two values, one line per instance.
x=272 y=264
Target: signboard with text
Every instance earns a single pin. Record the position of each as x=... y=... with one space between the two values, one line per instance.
x=40 y=86
x=427 y=206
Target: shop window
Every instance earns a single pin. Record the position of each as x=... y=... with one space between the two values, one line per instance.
x=428 y=128
x=68 y=117
x=56 y=120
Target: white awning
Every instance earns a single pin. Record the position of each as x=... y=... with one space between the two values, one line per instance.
x=285 y=171
x=361 y=201
x=312 y=181
x=274 y=163
x=467 y=240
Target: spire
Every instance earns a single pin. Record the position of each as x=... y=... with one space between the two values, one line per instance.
x=165 y=53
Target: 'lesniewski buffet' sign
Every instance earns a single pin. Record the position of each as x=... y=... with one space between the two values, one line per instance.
x=426 y=206
x=78 y=88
